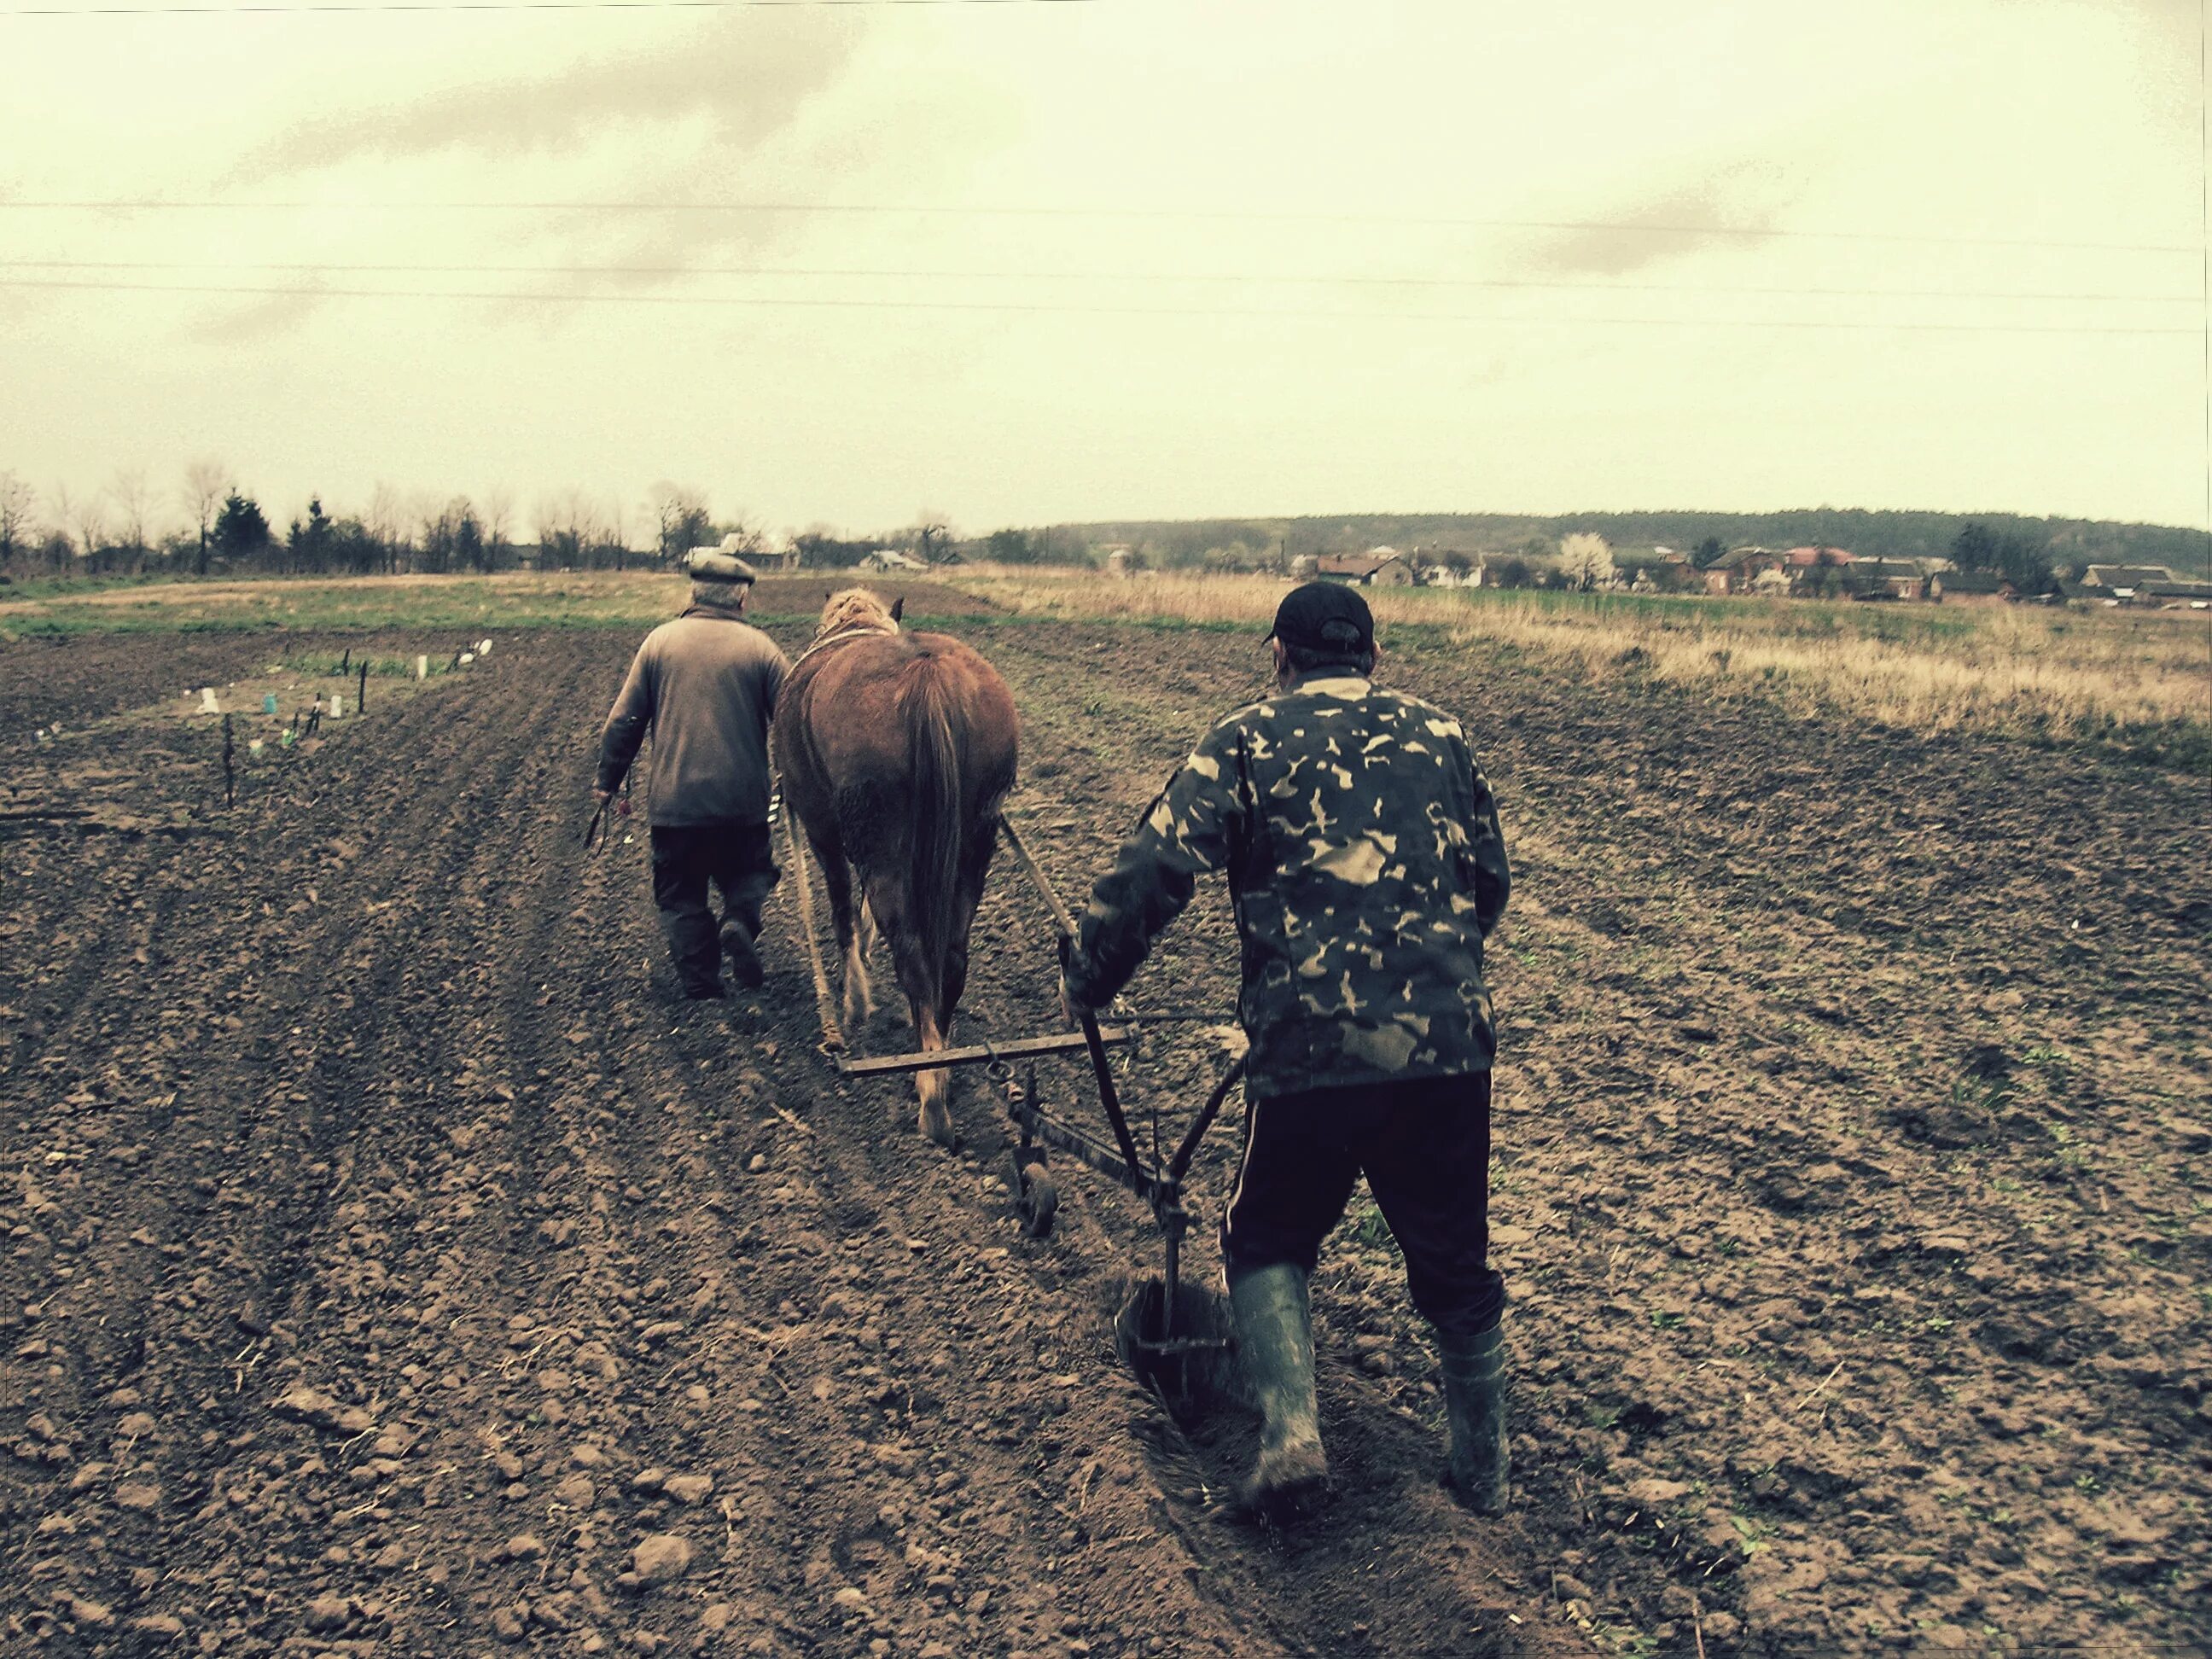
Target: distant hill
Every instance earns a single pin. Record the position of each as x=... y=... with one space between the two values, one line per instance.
x=1880 y=534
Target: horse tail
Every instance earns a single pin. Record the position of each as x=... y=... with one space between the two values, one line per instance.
x=936 y=835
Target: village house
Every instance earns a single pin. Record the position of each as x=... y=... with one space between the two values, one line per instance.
x=1736 y=570
x=891 y=560
x=2121 y=581
x=2081 y=593
x=2177 y=595
x=1884 y=579
x=1810 y=558
x=1378 y=567
x=769 y=562
x=1970 y=587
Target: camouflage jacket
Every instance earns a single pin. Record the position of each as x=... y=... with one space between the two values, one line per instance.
x=1366 y=867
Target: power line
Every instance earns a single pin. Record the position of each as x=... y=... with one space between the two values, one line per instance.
x=146 y=204
x=1001 y=307
x=491 y=5
x=1254 y=278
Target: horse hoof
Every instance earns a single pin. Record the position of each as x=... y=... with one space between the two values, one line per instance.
x=937 y=1123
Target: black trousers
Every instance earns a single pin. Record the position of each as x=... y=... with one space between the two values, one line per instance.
x=1424 y=1148
x=736 y=857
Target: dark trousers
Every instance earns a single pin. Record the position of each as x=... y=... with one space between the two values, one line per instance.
x=1424 y=1148
x=736 y=857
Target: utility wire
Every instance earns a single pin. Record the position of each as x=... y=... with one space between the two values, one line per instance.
x=993 y=307
x=491 y=5
x=1254 y=278
x=146 y=204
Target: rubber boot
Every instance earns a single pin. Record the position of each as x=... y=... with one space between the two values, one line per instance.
x=1474 y=1399
x=744 y=961
x=1274 y=1342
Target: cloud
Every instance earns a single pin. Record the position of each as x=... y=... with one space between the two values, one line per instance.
x=1719 y=208
x=265 y=317
x=747 y=84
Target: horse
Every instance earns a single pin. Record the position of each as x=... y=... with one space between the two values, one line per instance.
x=896 y=751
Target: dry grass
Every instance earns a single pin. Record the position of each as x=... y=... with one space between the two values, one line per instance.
x=2143 y=678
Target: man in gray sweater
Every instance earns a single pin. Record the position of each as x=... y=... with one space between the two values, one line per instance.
x=706 y=685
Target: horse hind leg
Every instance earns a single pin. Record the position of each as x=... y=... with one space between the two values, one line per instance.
x=917 y=979
x=852 y=929
x=934 y=1088
x=859 y=999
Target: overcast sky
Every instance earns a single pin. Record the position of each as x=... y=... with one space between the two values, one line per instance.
x=1112 y=258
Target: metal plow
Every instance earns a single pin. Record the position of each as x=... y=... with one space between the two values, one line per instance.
x=1174 y=1336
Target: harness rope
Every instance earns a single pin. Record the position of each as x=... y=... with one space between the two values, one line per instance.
x=847 y=634
x=833 y=1034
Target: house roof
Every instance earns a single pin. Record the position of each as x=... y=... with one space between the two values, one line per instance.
x=2126 y=575
x=1877 y=576
x=1810 y=555
x=1736 y=557
x=1971 y=581
x=2178 y=590
x=1358 y=564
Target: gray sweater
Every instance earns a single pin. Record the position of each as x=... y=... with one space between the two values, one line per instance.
x=706 y=684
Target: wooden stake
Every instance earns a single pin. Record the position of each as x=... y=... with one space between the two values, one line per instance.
x=229 y=777
x=360 y=690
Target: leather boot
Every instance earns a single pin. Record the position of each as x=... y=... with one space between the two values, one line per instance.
x=1474 y=1399
x=1275 y=1342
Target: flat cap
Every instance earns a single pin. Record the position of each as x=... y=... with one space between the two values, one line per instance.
x=706 y=565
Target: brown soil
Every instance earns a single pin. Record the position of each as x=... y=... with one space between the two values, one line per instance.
x=393 y=1266
x=802 y=596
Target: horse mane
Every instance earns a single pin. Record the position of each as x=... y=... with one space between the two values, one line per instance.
x=853 y=610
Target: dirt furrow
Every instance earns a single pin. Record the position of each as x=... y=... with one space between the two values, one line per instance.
x=411 y=1257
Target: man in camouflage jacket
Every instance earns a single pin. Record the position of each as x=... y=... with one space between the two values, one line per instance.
x=1366 y=868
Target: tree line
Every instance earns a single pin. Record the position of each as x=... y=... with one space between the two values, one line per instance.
x=1536 y=538
x=211 y=523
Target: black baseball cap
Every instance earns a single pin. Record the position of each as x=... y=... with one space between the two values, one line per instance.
x=1325 y=616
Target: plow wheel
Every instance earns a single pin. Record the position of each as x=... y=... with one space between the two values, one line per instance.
x=1036 y=1200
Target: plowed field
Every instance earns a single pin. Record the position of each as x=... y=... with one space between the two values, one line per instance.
x=394 y=1267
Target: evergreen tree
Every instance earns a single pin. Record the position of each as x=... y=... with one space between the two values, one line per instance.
x=240 y=530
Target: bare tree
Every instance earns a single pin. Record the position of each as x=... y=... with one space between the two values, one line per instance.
x=618 y=531
x=17 y=502
x=933 y=530
x=134 y=505
x=680 y=520
x=569 y=530
x=207 y=481
x=64 y=506
x=751 y=534
x=386 y=517
x=89 y=519
x=1585 y=560
x=498 y=524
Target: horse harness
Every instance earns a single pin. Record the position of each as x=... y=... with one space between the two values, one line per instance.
x=836 y=639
